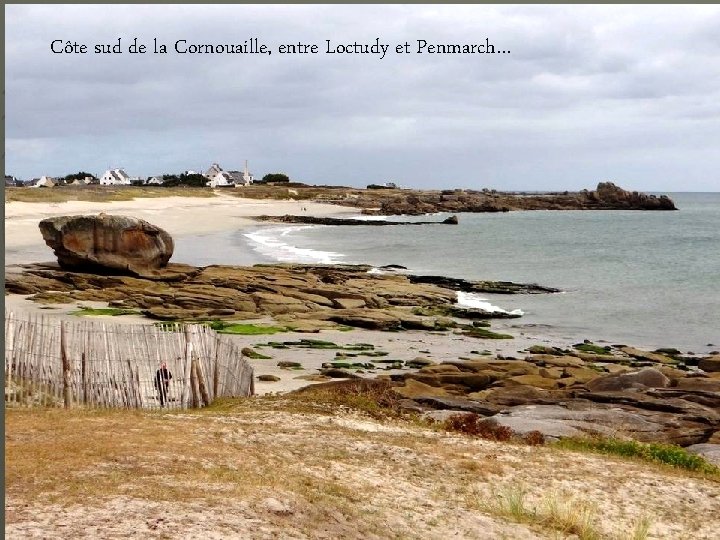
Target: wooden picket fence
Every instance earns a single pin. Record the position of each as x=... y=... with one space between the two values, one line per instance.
x=51 y=362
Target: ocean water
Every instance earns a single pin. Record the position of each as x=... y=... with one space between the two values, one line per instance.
x=648 y=279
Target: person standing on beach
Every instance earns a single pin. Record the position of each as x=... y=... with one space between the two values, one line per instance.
x=162 y=382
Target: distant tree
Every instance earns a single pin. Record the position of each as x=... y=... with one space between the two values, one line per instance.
x=190 y=180
x=275 y=178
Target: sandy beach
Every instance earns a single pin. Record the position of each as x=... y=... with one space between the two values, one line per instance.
x=177 y=215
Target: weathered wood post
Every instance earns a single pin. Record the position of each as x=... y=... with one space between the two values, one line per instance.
x=216 y=373
x=201 y=383
x=194 y=383
x=189 y=379
x=83 y=376
x=67 y=398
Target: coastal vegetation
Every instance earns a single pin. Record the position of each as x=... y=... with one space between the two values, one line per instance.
x=275 y=178
x=667 y=454
x=95 y=193
x=184 y=179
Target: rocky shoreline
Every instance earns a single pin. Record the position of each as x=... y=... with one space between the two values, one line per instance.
x=308 y=296
x=585 y=390
x=606 y=196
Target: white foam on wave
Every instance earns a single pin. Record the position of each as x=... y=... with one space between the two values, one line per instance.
x=387 y=271
x=268 y=242
x=475 y=301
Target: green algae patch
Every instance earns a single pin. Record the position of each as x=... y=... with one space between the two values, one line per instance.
x=241 y=329
x=113 y=312
x=592 y=348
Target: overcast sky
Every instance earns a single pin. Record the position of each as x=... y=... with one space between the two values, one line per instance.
x=587 y=93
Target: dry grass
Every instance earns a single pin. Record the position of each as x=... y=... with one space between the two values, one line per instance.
x=337 y=472
x=100 y=193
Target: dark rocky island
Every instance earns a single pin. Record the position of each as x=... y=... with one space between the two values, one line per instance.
x=606 y=196
x=312 y=220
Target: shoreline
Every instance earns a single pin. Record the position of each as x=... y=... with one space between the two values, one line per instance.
x=185 y=217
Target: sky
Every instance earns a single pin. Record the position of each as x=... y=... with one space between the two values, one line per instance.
x=629 y=94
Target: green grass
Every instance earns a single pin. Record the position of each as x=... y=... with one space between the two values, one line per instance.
x=86 y=311
x=96 y=193
x=668 y=454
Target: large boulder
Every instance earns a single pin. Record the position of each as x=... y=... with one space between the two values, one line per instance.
x=645 y=378
x=107 y=242
x=710 y=364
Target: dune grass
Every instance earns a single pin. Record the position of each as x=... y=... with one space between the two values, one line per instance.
x=96 y=193
x=667 y=454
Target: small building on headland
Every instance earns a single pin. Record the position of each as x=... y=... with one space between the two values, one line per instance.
x=156 y=180
x=386 y=185
x=115 y=177
x=83 y=182
x=11 y=181
x=45 y=181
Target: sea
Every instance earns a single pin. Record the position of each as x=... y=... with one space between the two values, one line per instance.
x=647 y=279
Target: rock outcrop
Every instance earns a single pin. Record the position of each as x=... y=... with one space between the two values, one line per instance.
x=559 y=396
x=607 y=196
x=107 y=242
x=312 y=220
x=306 y=295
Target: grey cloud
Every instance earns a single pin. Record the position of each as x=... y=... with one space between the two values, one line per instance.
x=585 y=88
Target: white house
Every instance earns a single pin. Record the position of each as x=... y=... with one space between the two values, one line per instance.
x=221 y=179
x=237 y=178
x=156 y=180
x=115 y=177
x=213 y=171
x=45 y=181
